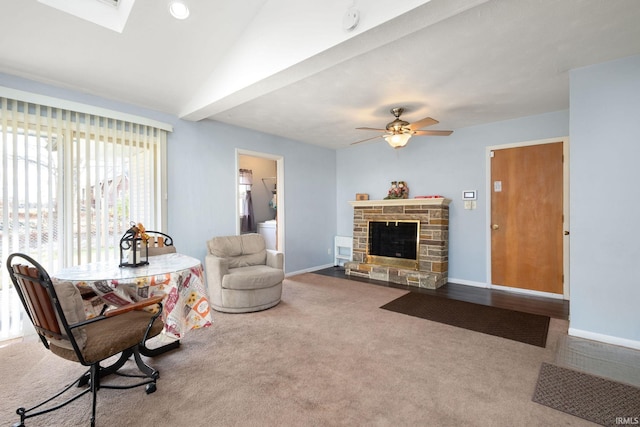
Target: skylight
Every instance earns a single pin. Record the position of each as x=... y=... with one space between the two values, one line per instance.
x=111 y=2
x=111 y=14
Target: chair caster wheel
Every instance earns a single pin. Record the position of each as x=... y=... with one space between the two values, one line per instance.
x=150 y=388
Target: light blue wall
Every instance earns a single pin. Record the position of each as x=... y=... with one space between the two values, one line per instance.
x=445 y=166
x=605 y=205
x=202 y=170
x=201 y=180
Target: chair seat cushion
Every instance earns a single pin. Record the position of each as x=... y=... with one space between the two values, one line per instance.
x=112 y=335
x=252 y=277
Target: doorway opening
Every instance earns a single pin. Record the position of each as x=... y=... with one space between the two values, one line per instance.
x=260 y=196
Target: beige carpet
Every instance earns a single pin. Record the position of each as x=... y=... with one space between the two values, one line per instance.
x=327 y=355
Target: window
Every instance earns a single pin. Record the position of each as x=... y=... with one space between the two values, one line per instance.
x=71 y=184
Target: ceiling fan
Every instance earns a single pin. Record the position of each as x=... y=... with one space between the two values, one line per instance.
x=398 y=132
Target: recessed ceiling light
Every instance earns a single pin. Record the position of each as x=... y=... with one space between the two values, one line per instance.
x=178 y=9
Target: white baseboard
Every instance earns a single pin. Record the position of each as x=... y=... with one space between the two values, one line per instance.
x=309 y=270
x=467 y=282
x=594 y=336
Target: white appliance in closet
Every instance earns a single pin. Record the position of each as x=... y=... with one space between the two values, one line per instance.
x=268 y=230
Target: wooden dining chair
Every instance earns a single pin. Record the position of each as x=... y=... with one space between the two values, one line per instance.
x=159 y=243
x=57 y=313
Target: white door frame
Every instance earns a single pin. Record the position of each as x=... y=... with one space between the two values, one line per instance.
x=279 y=194
x=565 y=212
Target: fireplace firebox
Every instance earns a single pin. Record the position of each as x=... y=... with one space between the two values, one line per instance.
x=394 y=243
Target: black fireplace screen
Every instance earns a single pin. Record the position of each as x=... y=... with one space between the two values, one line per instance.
x=395 y=239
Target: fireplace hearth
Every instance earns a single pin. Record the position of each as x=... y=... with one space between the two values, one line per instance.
x=414 y=253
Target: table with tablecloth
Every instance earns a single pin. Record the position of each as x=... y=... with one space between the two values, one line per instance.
x=179 y=277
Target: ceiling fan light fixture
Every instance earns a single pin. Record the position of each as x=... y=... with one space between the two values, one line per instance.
x=178 y=9
x=398 y=132
x=398 y=140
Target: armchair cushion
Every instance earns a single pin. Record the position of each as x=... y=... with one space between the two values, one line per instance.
x=240 y=251
x=73 y=309
x=252 y=277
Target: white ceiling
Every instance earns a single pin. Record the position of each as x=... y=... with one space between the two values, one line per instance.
x=287 y=67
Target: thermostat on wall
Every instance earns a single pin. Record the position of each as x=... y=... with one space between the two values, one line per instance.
x=469 y=195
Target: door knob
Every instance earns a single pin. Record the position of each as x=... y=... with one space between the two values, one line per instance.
x=495 y=226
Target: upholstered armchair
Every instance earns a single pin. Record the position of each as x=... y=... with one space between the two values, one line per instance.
x=242 y=275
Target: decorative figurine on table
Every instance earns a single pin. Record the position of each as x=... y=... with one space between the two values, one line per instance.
x=134 y=247
x=398 y=190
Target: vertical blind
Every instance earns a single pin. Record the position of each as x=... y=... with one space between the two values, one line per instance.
x=72 y=183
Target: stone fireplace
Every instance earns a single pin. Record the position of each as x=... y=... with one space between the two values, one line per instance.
x=392 y=258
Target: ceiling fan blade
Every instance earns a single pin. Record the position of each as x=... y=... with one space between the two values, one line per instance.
x=434 y=132
x=379 y=130
x=427 y=121
x=368 y=139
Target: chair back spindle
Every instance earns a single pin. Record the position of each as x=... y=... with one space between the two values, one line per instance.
x=36 y=300
x=159 y=243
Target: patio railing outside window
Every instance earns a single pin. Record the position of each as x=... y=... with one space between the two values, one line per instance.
x=71 y=184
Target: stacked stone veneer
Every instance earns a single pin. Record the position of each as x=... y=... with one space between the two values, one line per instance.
x=433 y=215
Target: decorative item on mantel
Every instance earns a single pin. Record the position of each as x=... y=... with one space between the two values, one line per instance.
x=362 y=196
x=398 y=190
x=134 y=247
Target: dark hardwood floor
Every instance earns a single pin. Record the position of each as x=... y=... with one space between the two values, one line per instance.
x=551 y=307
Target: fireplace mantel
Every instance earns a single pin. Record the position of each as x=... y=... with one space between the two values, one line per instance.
x=433 y=215
x=439 y=201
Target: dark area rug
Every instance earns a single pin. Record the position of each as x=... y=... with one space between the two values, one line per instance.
x=592 y=398
x=514 y=325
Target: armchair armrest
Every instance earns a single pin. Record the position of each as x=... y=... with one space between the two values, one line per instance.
x=216 y=266
x=275 y=259
x=134 y=306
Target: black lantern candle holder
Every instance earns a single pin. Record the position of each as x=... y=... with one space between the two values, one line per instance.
x=134 y=250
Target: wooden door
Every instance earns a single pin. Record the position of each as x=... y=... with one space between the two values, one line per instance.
x=527 y=217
